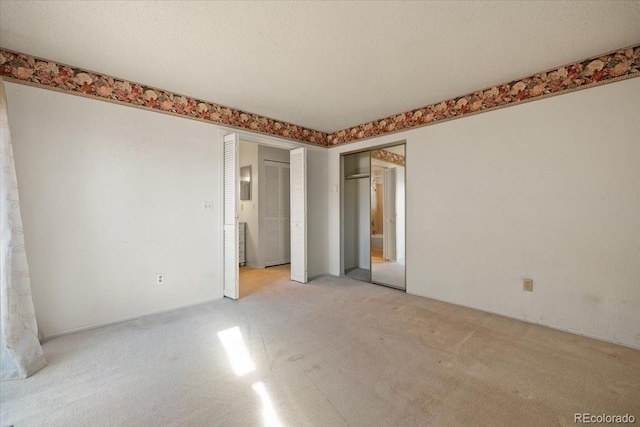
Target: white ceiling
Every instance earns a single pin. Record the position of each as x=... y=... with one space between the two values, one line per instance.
x=324 y=65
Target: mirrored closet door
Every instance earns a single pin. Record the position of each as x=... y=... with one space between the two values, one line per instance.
x=388 y=216
x=374 y=216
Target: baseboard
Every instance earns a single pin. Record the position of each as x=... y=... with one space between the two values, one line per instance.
x=126 y=319
x=544 y=324
x=254 y=265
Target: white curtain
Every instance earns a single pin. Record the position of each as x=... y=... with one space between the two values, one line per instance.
x=20 y=351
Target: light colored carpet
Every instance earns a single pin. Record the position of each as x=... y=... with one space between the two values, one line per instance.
x=332 y=352
x=359 y=273
x=388 y=272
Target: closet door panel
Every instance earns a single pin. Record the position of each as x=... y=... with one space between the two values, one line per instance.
x=277 y=216
x=271 y=222
x=285 y=215
x=231 y=186
x=271 y=189
x=272 y=242
x=298 y=212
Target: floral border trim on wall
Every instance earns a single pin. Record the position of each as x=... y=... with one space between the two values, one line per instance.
x=26 y=69
x=619 y=65
x=388 y=156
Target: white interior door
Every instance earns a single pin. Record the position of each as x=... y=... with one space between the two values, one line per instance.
x=231 y=186
x=298 y=178
x=276 y=221
x=389 y=214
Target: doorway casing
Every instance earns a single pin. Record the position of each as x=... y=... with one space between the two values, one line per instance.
x=230 y=203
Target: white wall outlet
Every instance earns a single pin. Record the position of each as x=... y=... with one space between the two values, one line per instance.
x=207 y=205
x=527 y=285
x=160 y=279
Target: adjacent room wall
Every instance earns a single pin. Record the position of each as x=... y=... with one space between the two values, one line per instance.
x=546 y=190
x=249 y=209
x=112 y=196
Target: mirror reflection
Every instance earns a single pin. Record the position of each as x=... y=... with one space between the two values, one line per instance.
x=245 y=183
x=388 y=216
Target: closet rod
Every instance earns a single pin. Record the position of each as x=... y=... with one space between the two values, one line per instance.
x=357 y=176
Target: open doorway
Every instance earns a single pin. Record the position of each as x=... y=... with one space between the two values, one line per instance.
x=264 y=216
x=264 y=213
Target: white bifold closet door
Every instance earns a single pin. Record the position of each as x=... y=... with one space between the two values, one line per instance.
x=231 y=188
x=298 y=163
x=277 y=217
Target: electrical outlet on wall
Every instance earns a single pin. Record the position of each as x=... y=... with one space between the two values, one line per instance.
x=160 y=279
x=207 y=205
x=527 y=285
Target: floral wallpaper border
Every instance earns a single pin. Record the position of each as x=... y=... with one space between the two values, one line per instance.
x=388 y=156
x=615 y=66
x=27 y=69
x=608 y=68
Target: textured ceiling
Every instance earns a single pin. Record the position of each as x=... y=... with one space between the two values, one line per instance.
x=324 y=65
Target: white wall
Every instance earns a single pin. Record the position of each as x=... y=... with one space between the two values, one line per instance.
x=548 y=190
x=112 y=195
x=249 y=209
